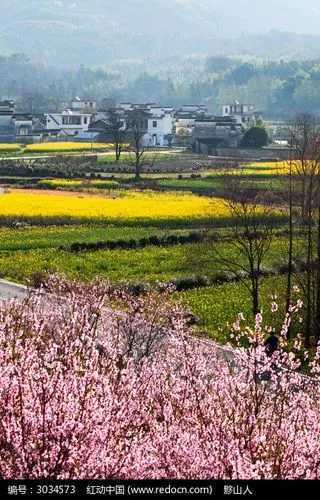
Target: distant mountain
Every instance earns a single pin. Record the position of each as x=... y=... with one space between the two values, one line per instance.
x=71 y=32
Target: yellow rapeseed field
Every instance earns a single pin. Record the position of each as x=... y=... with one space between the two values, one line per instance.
x=130 y=205
x=10 y=147
x=266 y=168
x=51 y=147
x=275 y=167
x=76 y=182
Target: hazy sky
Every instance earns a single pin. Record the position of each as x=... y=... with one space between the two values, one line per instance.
x=228 y=16
x=301 y=16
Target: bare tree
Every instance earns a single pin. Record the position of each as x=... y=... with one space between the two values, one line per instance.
x=305 y=153
x=252 y=234
x=117 y=129
x=137 y=126
x=288 y=188
x=304 y=178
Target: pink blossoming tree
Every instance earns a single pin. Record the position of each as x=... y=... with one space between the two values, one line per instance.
x=100 y=384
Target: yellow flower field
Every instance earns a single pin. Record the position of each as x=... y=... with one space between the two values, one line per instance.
x=274 y=167
x=130 y=205
x=51 y=147
x=9 y=147
x=266 y=168
x=70 y=183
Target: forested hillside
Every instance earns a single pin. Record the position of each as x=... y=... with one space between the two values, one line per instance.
x=279 y=89
x=74 y=32
x=169 y=51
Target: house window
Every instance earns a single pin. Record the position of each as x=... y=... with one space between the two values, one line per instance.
x=155 y=124
x=75 y=120
x=23 y=130
x=85 y=120
x=71 y=120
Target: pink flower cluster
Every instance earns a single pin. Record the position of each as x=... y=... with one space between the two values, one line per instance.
x=99 y=384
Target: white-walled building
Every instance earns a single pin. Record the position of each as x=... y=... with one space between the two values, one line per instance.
x=72 y=121
x=159 y=122
x=245 y=114
x=160 y=126
x=68 y=122
x=84 y=105
x=7 y=129
x=23 y=125
x=14 y=126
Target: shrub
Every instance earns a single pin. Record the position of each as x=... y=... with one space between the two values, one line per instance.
x=190 y=282
x=255 y=137
x=155 y=240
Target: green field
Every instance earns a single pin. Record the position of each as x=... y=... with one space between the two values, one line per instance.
x=31 y=243
x=35 y=238
x=218 y=306
x=25 y=251
x=149 y=156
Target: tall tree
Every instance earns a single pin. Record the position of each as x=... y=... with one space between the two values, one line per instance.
x=305 y=174
x=137 y=126
x=116 y=127
x=252 y=235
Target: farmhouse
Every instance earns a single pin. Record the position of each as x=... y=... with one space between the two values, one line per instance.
x=158 y=122
x=210 y=133
x=7 y=128
x=14 y=126
x=185 y=119
x=73 y=121
x=68 y=122
x=244 y=114
x=23 y=126
x=84 y=105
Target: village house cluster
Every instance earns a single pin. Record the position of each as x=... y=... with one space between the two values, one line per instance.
x=83 y=120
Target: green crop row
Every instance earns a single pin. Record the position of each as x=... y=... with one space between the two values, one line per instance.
x=147 y=264
x=29 y=238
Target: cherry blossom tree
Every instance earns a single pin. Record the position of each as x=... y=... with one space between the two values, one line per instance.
x=97 y=383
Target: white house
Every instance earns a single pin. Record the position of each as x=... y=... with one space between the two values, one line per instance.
x=84 y=105
x=14 y=126
x=23 y=125
x=244 y=114
x=159 y=122
x=7 y=129
x=71 y=121
x=160 y=126
x=68 y=122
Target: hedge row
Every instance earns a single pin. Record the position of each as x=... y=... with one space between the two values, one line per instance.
x=172 y=239
x=192 y=282
x=168 y=240
x=221 y=277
